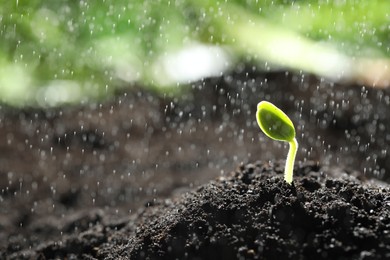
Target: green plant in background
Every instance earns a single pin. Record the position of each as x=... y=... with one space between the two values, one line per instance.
x=277 y=125
x=53 y=52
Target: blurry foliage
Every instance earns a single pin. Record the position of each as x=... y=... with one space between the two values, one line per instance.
x=358 y=24
x=91 y=47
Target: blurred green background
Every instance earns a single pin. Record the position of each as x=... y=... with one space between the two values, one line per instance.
x=66 y=51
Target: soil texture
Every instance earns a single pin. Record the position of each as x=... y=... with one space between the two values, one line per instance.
x=251 y=213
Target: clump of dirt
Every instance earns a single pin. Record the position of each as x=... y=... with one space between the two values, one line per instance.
x=251 y=213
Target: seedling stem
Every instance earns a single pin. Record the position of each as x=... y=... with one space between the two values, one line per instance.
x=292 y=152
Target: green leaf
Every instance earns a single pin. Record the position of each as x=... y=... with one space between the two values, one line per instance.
x=274 y=122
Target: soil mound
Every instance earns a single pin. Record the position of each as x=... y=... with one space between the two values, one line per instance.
x=249 y=214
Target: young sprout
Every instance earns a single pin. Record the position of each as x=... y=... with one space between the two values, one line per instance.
x=277 y=125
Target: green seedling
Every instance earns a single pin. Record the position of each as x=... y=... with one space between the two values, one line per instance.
x=277 y=125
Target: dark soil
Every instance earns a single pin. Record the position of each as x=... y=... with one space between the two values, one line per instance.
x=250 y=213
x=107 y=180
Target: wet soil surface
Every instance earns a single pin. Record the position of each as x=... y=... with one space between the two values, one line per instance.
x=107 y=180
x=250 y=213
